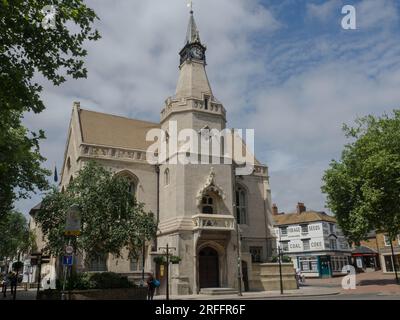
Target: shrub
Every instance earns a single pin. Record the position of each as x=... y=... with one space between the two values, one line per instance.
x=98 y=280
x=108 y=280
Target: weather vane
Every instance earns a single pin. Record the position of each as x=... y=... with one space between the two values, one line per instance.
x=190 y=5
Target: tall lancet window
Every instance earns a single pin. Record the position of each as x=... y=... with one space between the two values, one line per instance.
x=206 y=100
x=241 y=205
x=166 y=177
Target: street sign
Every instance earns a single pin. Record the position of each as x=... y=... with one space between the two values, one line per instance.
x=67 y=260
x=69 y=249
x=73 y=221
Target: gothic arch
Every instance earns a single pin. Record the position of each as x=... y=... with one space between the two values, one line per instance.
x=210 y=187
x=132 y=177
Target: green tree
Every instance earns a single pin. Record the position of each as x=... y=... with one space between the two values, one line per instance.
x=363 y=188
x=15 y=236
x=112 y=219
x=28 y=50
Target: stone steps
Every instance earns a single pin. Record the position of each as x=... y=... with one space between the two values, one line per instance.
x=218 y=291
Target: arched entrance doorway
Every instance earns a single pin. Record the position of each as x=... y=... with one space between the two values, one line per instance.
x=208 y=268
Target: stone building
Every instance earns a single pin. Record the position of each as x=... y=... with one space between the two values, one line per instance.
x=197 y=206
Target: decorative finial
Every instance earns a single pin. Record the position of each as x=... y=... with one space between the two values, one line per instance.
x=190 y=5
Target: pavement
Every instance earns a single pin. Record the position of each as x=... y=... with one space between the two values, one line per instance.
x=301 y=292
x=369 y=286
x=376 y=282
x=22 y=294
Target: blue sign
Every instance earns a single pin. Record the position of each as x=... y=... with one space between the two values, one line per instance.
x=67 y=260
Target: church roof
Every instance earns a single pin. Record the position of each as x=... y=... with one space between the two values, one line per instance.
x=110 y=130
x=304 y=217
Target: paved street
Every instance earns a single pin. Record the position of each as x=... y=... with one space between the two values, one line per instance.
x=369 y=286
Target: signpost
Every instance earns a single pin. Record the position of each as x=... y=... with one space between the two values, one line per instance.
x=72 y=229
x=167 y=254
x=68 y=261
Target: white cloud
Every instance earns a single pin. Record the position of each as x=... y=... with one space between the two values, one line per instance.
x=380 y=14
x=323 y=11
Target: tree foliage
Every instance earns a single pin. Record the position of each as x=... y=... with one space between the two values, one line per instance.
x=112 y=219
x=29 y=51
x=363 y=188
x=15 y=236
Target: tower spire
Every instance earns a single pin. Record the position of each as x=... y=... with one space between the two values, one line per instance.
x=192 y=34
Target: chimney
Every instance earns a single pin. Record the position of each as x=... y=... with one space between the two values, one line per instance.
x=300 y=207
x=275 y=209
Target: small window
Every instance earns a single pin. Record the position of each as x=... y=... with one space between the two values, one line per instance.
x=285 y=246
x=206 y=103
x=98 y=263
x=306 y=245
x=386 y=240
x=304 y=229
x=256 y=254
x=69 y=164
x=166 y=177
x=333 y=244
x=283 y=231
x=207 y=205
x=136 y=264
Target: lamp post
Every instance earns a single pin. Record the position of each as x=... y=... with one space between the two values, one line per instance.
x=394 y=262
x=167 y=254
x=280 y=263
x=239 y=262
x=72 y=229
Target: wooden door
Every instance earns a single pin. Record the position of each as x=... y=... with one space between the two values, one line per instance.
x=208 y=268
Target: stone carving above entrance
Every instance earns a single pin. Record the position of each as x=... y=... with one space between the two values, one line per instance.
x=210 y=185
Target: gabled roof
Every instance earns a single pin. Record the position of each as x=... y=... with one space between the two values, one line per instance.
x=110 y=130
x=304 y=217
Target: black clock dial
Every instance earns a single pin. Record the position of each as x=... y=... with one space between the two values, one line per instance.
x=197 y=53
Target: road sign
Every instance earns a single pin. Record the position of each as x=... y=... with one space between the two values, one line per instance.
x=73 y=221
x=67 y=260
x=69 y=249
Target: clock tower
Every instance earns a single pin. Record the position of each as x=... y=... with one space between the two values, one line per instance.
x=193 y=48
x=193 y=105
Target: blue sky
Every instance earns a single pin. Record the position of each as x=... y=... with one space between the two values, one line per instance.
x=285 y=68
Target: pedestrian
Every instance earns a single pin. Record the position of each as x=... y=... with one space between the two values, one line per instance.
x=151 y=287
x=5 y=283
x=13 y=283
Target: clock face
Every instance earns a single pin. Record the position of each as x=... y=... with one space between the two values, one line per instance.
x=197 y=53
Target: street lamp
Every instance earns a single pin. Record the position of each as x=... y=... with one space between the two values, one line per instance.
x=280 y=263
x=167 y=249
x=72 y=229
x=239 y=262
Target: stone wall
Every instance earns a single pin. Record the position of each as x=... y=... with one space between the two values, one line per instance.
x=270 y=279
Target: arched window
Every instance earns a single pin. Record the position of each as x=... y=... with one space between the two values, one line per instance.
x=208 y=205
x=133 y=181
x=166 y=177
x=132 y=187
x=241 y=205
